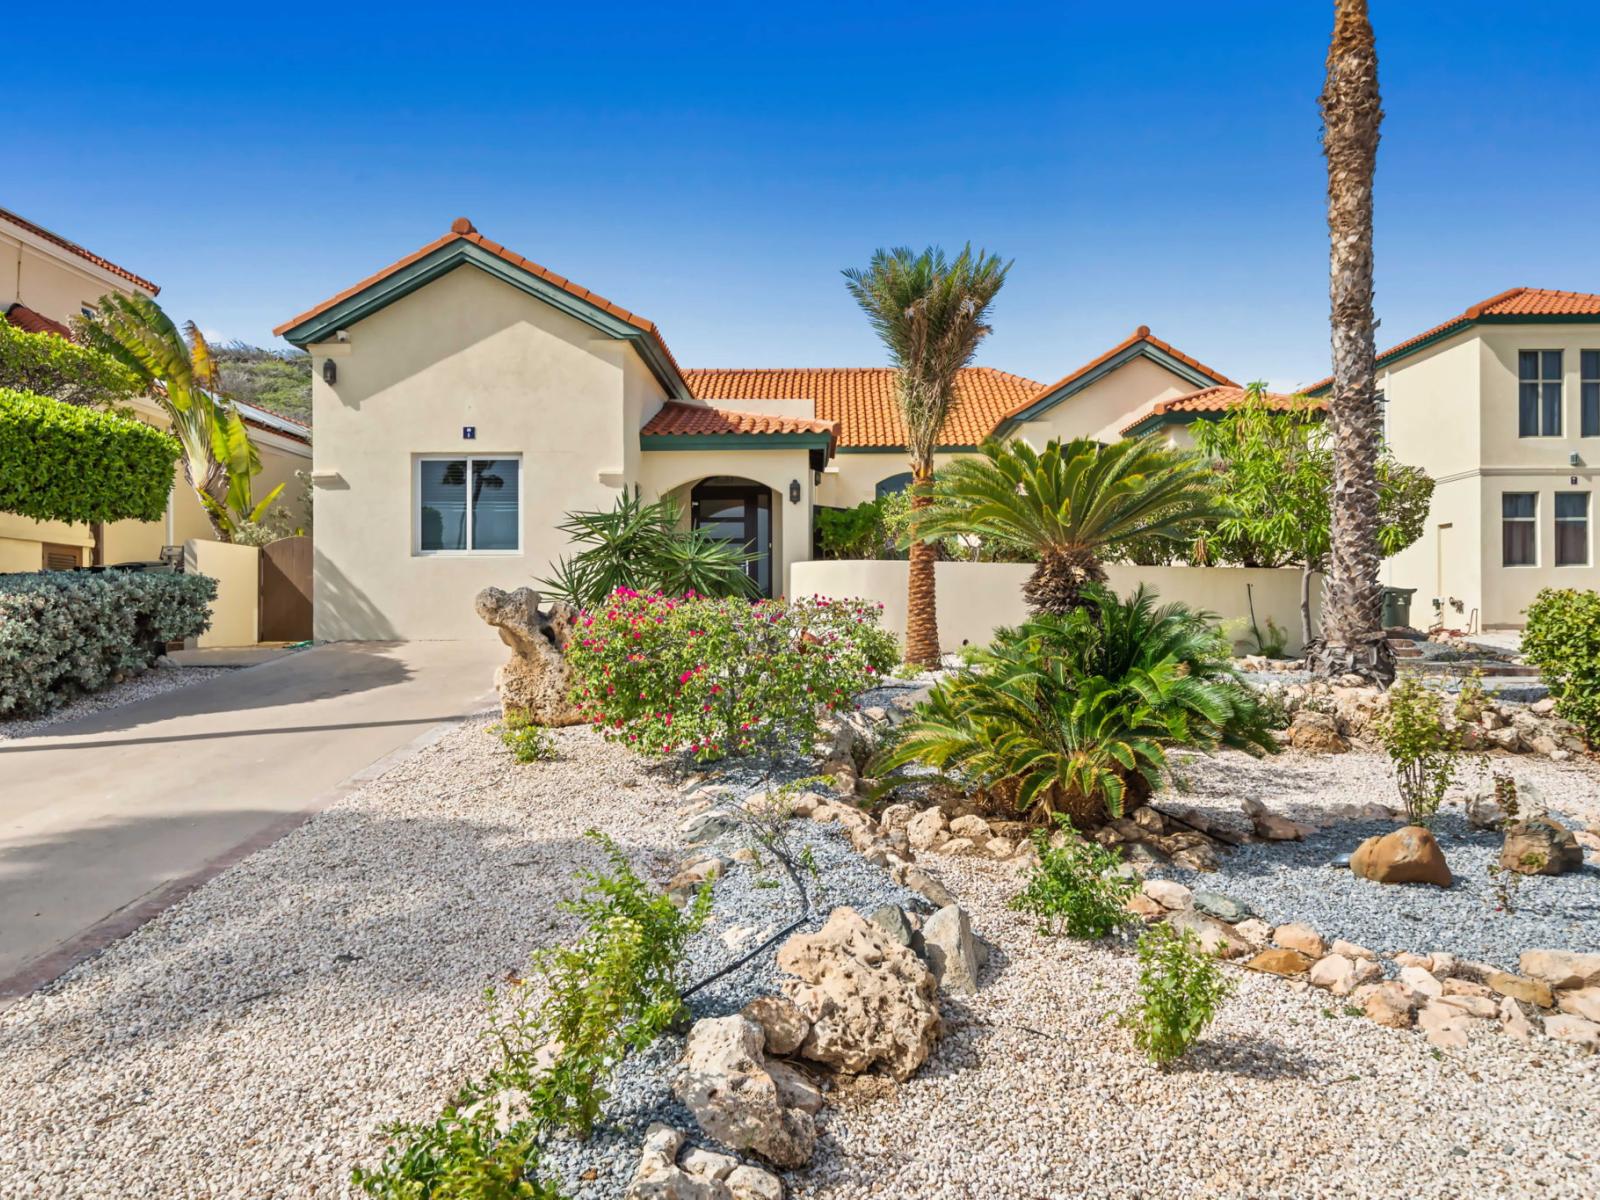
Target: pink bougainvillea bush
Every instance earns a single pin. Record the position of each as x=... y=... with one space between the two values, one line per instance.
x=714 y=678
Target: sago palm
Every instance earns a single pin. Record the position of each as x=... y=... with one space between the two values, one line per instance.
x=931 y=314
x=1069 y=504
x=1352 y=602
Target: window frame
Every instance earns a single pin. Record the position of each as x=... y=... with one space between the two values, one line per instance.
x=416 y=505
x=1588 y=385
x=1559 y=520
x=1532 y=521
x=1539 y=382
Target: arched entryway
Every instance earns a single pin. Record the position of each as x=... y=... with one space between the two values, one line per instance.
x=737 y=511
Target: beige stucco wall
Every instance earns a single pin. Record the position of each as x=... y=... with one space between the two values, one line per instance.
x=22 y=541
x=236 y=610
x=1106 y=405
x=852 y=476
x=976 y=598
x=466 y=350
x=53 y=282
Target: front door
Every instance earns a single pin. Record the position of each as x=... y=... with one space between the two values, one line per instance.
x=739 y=512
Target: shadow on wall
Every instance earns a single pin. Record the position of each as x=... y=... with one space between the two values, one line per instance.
x=342 y=611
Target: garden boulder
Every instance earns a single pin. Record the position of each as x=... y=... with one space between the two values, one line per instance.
x=951 y=950
x=1408 y=855
x=698 y=1174
x=535 y=683
x=1316 y=733
x=1541 y=846
x=724 y=1081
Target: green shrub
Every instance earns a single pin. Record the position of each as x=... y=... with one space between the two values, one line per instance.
x=461 y=1156
x=62 y=462
x=853 y=532
x=1075 y=889
x=1072 y=713
x=1562 y=639
x=527 y=742
x=1421 y=748
x=720 y=677
x=63 y=633
x=48 y=365
x=1180 y=989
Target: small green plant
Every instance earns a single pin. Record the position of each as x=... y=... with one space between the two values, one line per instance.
x=1422 y=749
x=1075 y=889
x=1271 y=641
x=1471 y=700
x=527 y=742
x=1562 y=639
x=461 y=1156
x=1180 y=989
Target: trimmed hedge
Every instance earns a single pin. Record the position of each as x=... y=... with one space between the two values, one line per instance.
x=1563 y=640
x=63 y=633
x=62 y=462
x=48 y=365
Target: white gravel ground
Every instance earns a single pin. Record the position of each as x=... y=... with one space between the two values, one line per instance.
x=251 y=1041
x=155 y=682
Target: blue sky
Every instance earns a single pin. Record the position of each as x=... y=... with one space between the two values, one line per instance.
x=713 y=166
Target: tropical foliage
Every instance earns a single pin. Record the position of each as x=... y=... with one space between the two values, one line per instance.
x=930 y=313
x=1076 y=888
x=1563 y=640
x=60 y=369
x=64 y=462
x=718 y=677
x=1422 y=747
x=1072 y=713
x=1180 y=989
x=181 y=373
x=1069 y=505
x=643 y=548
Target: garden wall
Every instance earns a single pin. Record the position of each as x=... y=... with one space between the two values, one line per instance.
x=236 y=612
x=975 y=598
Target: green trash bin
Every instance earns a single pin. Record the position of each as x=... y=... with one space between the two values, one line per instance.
x=1397 y=607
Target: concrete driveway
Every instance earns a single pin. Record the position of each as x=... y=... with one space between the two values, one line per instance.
x=108 y=819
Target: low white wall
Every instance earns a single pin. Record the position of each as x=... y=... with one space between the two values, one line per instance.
x=976 y=598
x=236 y=612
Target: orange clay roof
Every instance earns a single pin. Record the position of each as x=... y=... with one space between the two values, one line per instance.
x=696 y=420
x=1514 y=302
x=73 y=248
x=462 y=230
x=1214 y=400
x=1141 y=334
x=862 y=402
x=25 y=319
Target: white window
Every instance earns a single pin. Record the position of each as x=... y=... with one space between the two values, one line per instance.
x=1572 y=529
x=1539 y=393
x=1519 y=528
x=467 y=505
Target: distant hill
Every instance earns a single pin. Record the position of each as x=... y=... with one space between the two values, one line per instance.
x=276 y=380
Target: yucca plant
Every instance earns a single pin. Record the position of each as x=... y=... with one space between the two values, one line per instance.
x=1069 y=504
x=1072 y=714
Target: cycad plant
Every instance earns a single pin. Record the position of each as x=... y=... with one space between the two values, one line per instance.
x=1070 y=504
x=182 y=375
x=931 y=313
x=1072 y=713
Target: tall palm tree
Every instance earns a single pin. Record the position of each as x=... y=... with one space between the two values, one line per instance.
x=184 y=377
x=1352 y=603
x=931 y=314
x=1070 y=504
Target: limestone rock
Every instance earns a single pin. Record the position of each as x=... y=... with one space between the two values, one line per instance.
x=951 y=950
x=1168 y=894
x=958 y=845
x=1562 y=968
x=1278 y=961
x=1302 y=938
x=1421 y=982
x=1465 y=987
x=1473 y=1006
x=1444 y=1026
x=896 y=816
x=1582 y=1002
x=1254 y=931
x=1214 y=936
x=871 y=1003
x=723 y=1080
x=536 y=681
x=927 y=829
x=1336 y=973
x=1316 y=733
x=1144 y=907
x=1517 y=987
x=1565 y=1027
x=1391 y=1004
x=783 y=1025
x=925 y=885
x=1408 y=855
x=1541 y=846
x=972 y=827
x=1351 y=950
x=1514 y=1021
x=752 y=1183
x=700 y=1174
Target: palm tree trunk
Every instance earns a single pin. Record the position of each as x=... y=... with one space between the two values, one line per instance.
x=1352 y=604
x=922 y=617
x=1058 y=582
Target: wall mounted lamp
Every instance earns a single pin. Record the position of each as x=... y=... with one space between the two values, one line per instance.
x=330 y=372
x=794 y=491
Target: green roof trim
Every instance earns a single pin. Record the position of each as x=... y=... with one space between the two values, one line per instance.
x=1461 y=325
x=1157 y=421
x=1140 y=349
x=459 y=253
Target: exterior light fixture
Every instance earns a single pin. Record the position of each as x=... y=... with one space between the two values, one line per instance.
x=794 y=491
x=1574 y=459
x=330 y=372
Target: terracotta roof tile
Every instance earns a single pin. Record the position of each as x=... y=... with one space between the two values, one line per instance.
x=73 y=247
x=1212 y=400
x=1141 y=334
x=462 y=229
x=1513 y=302
x=25 y=319
x=862 y=401
x=697 y=420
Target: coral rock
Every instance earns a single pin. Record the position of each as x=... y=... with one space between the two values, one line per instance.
x=536 y=681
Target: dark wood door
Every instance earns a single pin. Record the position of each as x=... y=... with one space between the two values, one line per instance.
x=285 y=614
x=740 y=513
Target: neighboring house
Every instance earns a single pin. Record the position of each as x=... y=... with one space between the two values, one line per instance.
x=45 y=281
x=1172 y=418
x=465 y=398
x=1501 y=405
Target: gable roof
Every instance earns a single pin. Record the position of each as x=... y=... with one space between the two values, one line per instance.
x=1141 y=343
x=1514 y=306
x=464 y=244
x=861 y=401
x=25 y=319
x=1207 y=402
x=71 y=247
x=699 y=422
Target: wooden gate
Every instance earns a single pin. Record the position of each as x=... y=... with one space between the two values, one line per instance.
x=286 y=590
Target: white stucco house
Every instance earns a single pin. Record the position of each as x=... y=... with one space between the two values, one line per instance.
x=465 y=398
